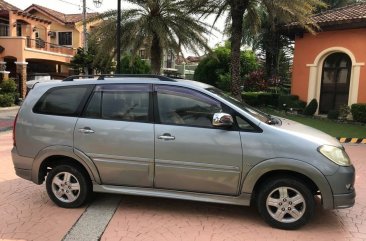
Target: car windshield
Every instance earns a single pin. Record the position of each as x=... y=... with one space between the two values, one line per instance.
x=245 y=107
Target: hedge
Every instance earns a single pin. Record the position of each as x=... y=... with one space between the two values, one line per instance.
x=359 y=112
x=290 y=101
x=260 y=99
x=271 y=99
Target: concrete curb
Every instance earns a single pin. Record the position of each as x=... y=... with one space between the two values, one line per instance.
x=4 y=109
x=352 y=140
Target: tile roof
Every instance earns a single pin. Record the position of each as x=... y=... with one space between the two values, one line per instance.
x=60 y=17
x=351 y=13
x=7 y=6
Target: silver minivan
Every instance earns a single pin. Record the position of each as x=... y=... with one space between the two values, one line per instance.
x=156 y=136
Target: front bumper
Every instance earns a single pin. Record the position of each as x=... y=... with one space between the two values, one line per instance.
x=344 y=200
x=342 y=185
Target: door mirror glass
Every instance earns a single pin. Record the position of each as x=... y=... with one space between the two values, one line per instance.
x=222 y=120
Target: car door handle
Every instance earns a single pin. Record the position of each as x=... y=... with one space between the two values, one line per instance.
x=166 y=137
x=86 y=130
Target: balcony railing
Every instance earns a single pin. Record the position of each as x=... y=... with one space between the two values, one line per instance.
x=45 y=46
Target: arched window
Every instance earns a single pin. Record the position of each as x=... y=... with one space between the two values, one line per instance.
x=335 y=82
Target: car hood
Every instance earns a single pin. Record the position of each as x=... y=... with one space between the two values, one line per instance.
x=308 y=133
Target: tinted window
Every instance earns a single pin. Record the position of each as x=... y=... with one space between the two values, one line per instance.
x=120 y=102
x=243 y=124
x=184 y=106
x=61 y=101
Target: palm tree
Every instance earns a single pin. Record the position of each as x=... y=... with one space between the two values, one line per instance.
x=270 y=17
x=238 y=10
x=158 y=24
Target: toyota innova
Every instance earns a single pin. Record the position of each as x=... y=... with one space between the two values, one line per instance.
x=156 y=136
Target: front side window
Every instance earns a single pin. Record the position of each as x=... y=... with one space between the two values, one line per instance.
x=182 y=106
x=63 y=101
x=124 y=102
x=245 y=107
x=65 y=38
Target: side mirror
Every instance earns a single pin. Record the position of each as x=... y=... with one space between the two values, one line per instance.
x=222 y=120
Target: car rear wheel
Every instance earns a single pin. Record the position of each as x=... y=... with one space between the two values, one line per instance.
x=285 y=203
x=67 y=186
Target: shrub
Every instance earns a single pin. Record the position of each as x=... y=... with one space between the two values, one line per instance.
x=223 y=82
x=260 y=98
x=359 y=112
x=134 y=66
x=214 y=69
x=344 y=111
x=7 y=99
x=8 y=86
x=290 y=101
x=311 y=108
x=8 y=93
x=255 y=82
x=333 y=114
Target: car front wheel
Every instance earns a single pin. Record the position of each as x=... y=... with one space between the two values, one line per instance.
x=285 y=203
x=67 y=186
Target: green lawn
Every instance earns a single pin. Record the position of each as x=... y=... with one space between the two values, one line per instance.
x=328 y=126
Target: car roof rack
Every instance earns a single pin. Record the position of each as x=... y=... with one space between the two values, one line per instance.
x=103 y=76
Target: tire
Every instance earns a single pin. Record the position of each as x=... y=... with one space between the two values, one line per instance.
x=67 y=186
x=285 y=203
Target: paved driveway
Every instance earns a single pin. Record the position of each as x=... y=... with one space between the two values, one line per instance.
x=26 y=213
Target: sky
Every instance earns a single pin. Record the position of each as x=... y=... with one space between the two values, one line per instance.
x=75 y=6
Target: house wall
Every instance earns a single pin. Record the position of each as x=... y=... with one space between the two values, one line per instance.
x=308 y=48
x=58 y=27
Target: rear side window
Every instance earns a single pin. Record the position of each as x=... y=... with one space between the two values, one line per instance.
x=124 y=102
x=64 y=101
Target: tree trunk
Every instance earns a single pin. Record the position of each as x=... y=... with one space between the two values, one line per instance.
x=156 y=55
x=237 y=8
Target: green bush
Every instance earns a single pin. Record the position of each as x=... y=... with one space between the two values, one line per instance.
x=135 y=65
x=290 y=101
x=8 y=93
x=359 y=112
x=214 y=69
x=311 y=108
x=8 y=86
x=333 y=114
x=260 y=98
x=344 y=111
x=7 y=99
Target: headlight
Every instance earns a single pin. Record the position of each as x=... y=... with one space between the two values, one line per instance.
x=335 y=154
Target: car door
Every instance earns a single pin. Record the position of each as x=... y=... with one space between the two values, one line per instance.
x=190 y=154
x=117 y=133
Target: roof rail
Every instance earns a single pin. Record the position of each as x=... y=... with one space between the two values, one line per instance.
x=103 y=76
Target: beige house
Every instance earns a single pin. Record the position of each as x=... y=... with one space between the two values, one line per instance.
x=37 y=40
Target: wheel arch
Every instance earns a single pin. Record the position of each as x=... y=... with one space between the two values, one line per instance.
x=278 y=167
x=56 y=155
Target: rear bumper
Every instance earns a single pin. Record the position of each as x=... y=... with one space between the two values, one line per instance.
x=344 y=200
x=24 y=173
x=22 y=165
